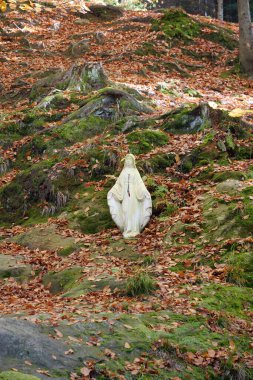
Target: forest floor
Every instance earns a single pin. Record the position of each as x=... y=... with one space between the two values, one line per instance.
x=78 y=92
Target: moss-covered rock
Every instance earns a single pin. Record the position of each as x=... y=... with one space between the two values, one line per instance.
x=189 y=119
x=12 y=266
x=157 y=163
x=144 y=141
x=89 y=211
x=69 y=282
x=44 y=237
x=176 y=24
x=62 y=281
x=230 y=186
x=29 y=187
x=234 y=175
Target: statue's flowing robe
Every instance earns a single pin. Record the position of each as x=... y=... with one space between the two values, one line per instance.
x=130 y=202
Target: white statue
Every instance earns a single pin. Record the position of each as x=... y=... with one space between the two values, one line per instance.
x=129 y=200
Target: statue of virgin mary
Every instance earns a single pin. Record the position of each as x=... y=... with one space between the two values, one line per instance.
x=129 y=200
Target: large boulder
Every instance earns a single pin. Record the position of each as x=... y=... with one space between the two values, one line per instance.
x=12 y=266
x=22 y=341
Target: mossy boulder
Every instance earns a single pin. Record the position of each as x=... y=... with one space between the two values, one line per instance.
x=224 y=220
x=29 y=187
x=230 y=175
x=157 y=163
x=70 y=283
x=247 y=217
x=143 y=141
x=44 y=237
x=188 y=119
x=175 y=24
x=89 y=212
x=230 y=186
x=62 y=281
x=12 y=266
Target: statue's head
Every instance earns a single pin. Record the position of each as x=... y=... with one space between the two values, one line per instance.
x=129 y=161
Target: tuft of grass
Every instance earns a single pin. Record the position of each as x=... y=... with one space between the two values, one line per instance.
x=141 y=283
x=149 y=260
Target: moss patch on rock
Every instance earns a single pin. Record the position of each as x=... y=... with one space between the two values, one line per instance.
x=144 y=141
x=176 y=24
x=12 y=266
x=64 y=280
x=157 y=163
x=89 y=211
x=44 y=237
x=189 y=119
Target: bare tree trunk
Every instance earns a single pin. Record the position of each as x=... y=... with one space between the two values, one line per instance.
x=246 y=36
x=220 y=12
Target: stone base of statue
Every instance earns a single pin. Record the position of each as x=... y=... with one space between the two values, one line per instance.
x=129 y=200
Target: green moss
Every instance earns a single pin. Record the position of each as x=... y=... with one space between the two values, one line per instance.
x=101 y=161
x=67 y=251
x=145 y=140
x=11 y=375
x=157 y=163
x=78 y=130
x=63 y=280
x=176 y=24
x=223 y=38
x=140 y=284
x=244 y=152
x=240 y=269
x=232 y=300
x=189 y=119
x=223 y=176
x=90 y=213
x=25 y=190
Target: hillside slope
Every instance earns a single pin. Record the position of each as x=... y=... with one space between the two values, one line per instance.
x=79 y=92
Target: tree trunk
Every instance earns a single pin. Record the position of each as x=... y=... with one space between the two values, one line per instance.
x=246 y=36
x=220 y=11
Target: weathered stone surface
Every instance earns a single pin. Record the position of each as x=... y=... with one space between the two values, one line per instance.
x=230 y=186
x=12 y=266
x=22 y=341
x=44 y=238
